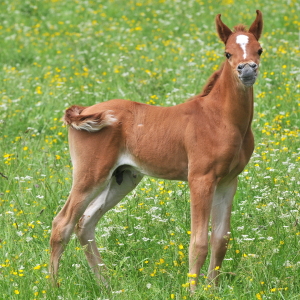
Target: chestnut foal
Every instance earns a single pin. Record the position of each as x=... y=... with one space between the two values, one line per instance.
x=206 y=141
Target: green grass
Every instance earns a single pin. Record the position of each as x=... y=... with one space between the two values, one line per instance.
x=58 y=53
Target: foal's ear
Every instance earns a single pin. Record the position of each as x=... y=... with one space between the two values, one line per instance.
x=223 y=31
x=257 y=26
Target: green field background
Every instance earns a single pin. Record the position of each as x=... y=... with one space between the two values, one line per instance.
x=57 y=53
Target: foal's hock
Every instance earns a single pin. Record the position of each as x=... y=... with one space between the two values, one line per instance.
x=206 y=141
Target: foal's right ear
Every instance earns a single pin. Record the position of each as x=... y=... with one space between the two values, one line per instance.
x=223 y=31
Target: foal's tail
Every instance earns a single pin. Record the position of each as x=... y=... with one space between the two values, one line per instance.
x=92 y=122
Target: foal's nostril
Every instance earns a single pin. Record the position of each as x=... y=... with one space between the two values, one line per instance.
x=253 y=65
x=240 y=67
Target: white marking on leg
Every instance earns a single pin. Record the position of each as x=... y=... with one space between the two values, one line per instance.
x=242 y=40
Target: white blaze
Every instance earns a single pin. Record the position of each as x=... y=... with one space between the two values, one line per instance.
x=242 y=40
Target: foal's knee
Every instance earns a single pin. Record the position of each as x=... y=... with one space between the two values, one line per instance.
x=199 y=249
x=219 y=243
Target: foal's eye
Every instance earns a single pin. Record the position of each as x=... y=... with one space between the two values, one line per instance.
x=228 y=55
x=260 y=51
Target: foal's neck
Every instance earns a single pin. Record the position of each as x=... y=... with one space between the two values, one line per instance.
x=233 y=98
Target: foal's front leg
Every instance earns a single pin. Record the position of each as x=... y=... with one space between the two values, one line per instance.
x=220 y=213
x=202 y=191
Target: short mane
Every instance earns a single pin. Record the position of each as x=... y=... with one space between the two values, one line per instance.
x=209 y=84
x=240 y=28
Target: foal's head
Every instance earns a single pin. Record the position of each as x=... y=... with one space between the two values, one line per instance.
x=242 y=48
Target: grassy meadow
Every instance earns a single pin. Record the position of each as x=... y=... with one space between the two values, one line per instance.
x=57 y=53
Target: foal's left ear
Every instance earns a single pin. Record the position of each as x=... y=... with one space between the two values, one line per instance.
x=257 y=26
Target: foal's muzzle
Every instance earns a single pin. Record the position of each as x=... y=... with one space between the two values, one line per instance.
x=247 y=73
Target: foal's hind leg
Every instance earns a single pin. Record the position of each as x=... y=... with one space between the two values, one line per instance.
x=118 y=187
x=65 y=221
x=93 y=157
